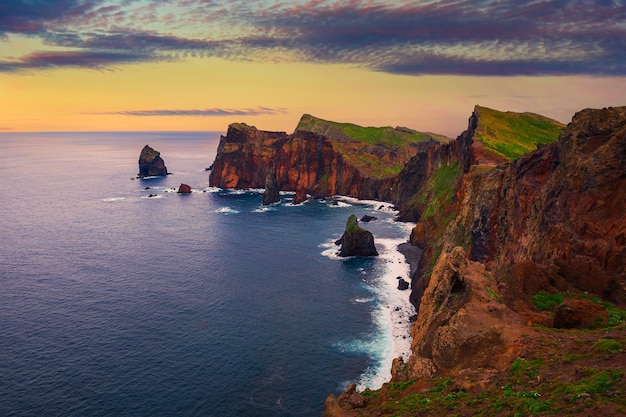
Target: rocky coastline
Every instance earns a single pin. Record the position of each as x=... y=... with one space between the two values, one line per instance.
x=517 y=210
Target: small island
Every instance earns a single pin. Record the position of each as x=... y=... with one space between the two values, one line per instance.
x=356 y=241
x=151 y=164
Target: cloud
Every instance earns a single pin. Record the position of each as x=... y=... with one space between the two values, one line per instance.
x=464 y=37
x=93 y=59
x=214 y=112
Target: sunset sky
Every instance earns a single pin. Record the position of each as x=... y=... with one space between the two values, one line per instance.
x=198 y=65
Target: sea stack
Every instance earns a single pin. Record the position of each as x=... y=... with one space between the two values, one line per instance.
x=271 y=194
x=184 y=189
x=356 y=241
x=150 y=163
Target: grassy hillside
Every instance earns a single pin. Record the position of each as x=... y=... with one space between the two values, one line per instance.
x=378 y=152
x=512 y=135
x=386 y=135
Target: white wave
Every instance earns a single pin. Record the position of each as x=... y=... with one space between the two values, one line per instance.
x=330 y=250
x=264 y=209
x=110 y=199
x=391 y=316
x=233 y=191
x=226 y=210
x=369 y=204
x=337 y=204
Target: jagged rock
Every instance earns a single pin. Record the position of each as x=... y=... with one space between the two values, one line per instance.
x=579 y=314
x=300 y=196
x=366 y=218
x=321 y=162
x=402 y=284
x=184 y=189
x=150 y=163
x=271 y=194
x=460 y=325
x=345 y=403
x=356 y=241
x=560 y=207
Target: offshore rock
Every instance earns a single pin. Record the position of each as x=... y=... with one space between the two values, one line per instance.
x=271 y=194
x=300 y=196
x=150 y=163
x=184 y=189
x=356 y=241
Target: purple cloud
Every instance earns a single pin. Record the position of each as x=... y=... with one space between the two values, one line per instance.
x=214 y=112
x=463 y=37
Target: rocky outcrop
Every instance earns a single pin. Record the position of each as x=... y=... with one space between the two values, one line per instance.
x=150 y=163
x=323 y=164
x=271 y=194
x=184 y=189
x=561 y=208
x=356 y=241
x=579 y=314
x=551 y=221
x=461 y=324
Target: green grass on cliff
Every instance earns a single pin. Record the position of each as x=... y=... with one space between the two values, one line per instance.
x=512 y=135
x=378 y=152
x=386 y=135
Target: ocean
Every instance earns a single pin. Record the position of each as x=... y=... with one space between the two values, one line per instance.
x=115 y=303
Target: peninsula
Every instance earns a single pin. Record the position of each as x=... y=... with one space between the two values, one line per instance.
x=522 y=221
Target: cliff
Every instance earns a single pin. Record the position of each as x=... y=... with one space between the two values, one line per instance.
x=321 y=158
x=517 y=250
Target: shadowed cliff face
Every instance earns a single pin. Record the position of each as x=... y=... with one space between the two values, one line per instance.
x=561 y=207
x=553 y=220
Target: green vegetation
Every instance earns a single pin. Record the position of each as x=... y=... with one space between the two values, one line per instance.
x=607 y=346
x=386 y=135
x=511 y=135
x=617 y=317
x=355 y=143
x=352 y=224
x=544 y=300
x=438 y=192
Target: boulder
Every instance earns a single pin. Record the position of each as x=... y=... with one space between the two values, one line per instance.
x=150 y=163
x=402 y=284
x=184 y=189
x=356 y=241
x=579 y=314
x=367 y=219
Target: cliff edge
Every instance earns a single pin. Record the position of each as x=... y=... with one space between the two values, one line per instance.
x=517 y=252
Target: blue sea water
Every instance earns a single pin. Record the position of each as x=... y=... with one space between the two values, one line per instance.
x=114 y=303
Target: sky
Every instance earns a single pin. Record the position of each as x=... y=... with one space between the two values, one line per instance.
x=199 y=65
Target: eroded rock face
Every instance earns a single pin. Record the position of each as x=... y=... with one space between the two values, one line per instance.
x=311 y=163
x=271 y=194
x=150 y=163
x=356 y=241
x=461 y=324
x=560 y=207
